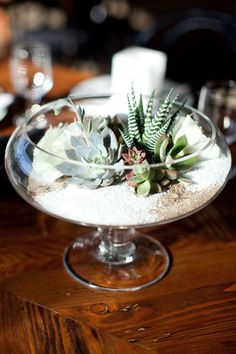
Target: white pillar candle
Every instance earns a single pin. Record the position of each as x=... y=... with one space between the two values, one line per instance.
x=144 y=68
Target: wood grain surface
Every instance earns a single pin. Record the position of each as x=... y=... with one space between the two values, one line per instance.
x=44 y=311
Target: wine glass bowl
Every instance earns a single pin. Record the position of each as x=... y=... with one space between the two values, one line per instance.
x=218 y=101
x=31 y=71
x=51 y=176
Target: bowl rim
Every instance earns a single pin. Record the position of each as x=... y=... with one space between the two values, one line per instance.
x=117 y=166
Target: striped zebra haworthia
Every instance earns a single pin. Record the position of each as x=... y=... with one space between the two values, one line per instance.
x=145 y=129
x=150 y=134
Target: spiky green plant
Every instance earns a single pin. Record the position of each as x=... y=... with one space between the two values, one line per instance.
x=152 y=133
x=145 y=129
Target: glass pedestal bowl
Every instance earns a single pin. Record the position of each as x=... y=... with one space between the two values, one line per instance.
x=51 y=176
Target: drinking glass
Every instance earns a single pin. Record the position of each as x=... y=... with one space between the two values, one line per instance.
x=31 y=73
x=116 y=256
x=218 y=101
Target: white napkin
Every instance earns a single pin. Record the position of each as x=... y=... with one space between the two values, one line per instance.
x=5 y=100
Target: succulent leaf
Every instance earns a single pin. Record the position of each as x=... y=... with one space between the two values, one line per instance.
x=185 y=180
x=165 y=182
x=144 y=188
x=159 y=173
x=148 y=117
x=187 y=164
x=157 y=135
x=141 y=114
x=127 y=139
x=163 y=147
x=156 y=188
x=158 y=146
x=159 y=118
x=172 y=175
x=179 y=145
x=134 y=103
x=133 y=123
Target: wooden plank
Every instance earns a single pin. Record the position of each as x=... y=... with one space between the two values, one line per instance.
x=27 y=328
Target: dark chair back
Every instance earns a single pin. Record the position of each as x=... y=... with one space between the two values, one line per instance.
x=200 y=44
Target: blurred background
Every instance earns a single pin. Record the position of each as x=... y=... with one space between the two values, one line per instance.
x=198 y=36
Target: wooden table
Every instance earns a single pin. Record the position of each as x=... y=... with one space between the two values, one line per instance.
x=43 y=310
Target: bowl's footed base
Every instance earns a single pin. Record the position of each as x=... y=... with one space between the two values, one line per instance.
x=147 y=264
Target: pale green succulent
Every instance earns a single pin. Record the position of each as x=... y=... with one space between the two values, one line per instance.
x=94 y=143
x=144 y=179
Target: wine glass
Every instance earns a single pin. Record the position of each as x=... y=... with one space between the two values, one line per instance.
x=116 y=256
x=218 y=101
x=31 y=73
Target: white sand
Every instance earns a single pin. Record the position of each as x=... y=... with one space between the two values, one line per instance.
x=117 y=206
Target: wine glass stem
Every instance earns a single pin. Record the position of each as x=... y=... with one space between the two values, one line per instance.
x=30 y=104
x=116 y=245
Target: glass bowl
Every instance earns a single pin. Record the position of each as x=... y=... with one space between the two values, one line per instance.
x=58 y=180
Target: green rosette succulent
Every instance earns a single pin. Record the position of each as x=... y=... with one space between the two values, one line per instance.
x=94 y=144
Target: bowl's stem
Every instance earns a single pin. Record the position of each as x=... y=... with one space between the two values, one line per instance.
x=116 y=259
x=116 y=245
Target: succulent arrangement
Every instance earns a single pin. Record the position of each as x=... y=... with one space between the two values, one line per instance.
x=145 y=139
